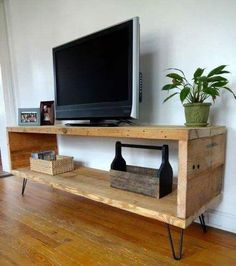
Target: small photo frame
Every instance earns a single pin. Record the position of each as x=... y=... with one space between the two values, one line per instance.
x=28 y=116
x=47 y=112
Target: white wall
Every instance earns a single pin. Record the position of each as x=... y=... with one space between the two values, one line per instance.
x=184 y=34
x=7 y=104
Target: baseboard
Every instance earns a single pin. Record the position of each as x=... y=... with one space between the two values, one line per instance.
x=221 y=220
x=4 y=174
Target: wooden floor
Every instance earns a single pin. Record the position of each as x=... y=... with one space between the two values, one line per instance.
x=50 y=227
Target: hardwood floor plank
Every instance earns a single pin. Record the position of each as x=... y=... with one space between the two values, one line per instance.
x=89 y=226
x=103 y=242
x=51 y=227
x=4 y=260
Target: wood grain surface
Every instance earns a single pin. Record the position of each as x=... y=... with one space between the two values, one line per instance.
x=142 y=180
x=22 y=145
x=139 y=132
x=51 y=227
x=95 y=185
x=200 y=169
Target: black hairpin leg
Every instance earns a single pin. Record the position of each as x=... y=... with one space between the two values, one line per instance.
x=179 y=255
x=202 y=221
x=23 y=186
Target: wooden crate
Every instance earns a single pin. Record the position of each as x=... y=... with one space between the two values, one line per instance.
x=137 y=179
x=61 y=165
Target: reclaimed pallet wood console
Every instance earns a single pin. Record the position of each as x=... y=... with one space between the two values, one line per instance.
x=201 y=157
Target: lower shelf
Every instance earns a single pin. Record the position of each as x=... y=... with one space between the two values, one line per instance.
x=95 y=185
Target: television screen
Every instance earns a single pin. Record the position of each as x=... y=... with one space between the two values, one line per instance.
x=94 y=75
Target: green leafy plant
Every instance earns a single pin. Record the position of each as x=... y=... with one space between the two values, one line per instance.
x=202 y=87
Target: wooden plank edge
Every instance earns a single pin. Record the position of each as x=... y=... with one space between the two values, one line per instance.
x=134 y=132
x=160 y=216
x=8 y=151
x=196 y=133
x=209 y=204
x=138 y=132
x=34 y=129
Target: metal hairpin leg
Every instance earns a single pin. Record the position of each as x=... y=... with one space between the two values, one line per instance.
x=202 y=221
x=23 y=186
x=179 y=255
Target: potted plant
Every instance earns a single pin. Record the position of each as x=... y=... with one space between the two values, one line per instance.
x=193 y=95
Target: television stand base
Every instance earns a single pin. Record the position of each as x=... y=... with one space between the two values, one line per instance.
x=93 y=124
x=101 y=123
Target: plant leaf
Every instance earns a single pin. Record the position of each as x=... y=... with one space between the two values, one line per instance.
x=228 y=89
x=175 y=76
x=203 y=78
x=219 y=84
x=205 y=84
x=211 y=91
x=224 y=72
x=176 y=69
x=184 y=93
x=216 y=70
x=198 y=72
x=216 y=78
x=166 y=99
x=168 y=87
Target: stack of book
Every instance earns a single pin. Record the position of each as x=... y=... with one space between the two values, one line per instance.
x=44 y=155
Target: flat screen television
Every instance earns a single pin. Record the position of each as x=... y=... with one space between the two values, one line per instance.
x=97 y=76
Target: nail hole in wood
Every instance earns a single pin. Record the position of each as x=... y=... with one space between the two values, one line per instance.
x=193 y=167
x=198 y=166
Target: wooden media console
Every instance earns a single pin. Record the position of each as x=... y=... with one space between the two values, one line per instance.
x=201 y=158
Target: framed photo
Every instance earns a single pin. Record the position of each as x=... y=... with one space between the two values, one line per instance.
x=47 y=112
x=28 y=116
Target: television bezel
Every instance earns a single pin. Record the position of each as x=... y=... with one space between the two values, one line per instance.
x=128 y=109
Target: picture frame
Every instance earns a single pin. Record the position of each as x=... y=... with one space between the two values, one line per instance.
x=28 y=116
x=47 y=116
